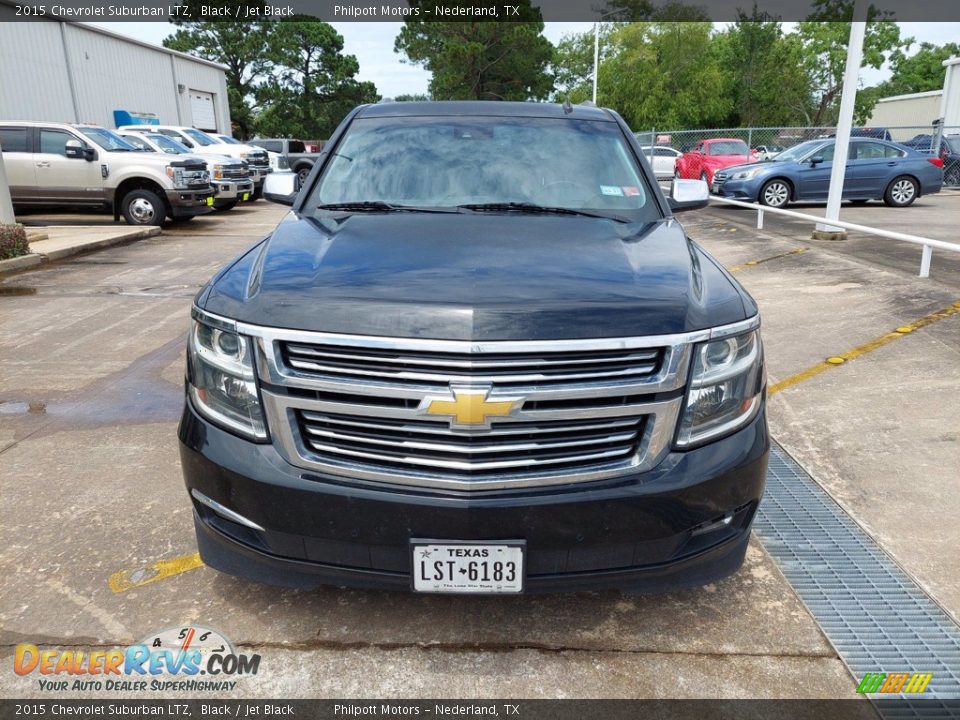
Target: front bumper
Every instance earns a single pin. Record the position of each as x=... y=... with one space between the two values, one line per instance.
x=228 y=190
x=258 y=174
x=186 y=203
x=746 y=190
x=635 y=533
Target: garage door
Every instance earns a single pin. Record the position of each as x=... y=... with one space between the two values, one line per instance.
x=201 y=110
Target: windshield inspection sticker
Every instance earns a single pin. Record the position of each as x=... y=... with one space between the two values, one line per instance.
x=631 y=190
x=611 y=190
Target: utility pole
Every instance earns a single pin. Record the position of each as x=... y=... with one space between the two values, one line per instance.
x=858 y=29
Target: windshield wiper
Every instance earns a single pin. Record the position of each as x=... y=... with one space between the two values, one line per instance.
x=380 y=206
x=533 y=208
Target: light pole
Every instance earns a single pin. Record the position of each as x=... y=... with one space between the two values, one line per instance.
x=596 y=49
x=844 y=122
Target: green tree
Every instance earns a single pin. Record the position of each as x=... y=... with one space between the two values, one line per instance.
x=920 y=72
x=763 y=73
x=411 y=97
x=312 y=84
x=480 y=60
x=572 y=64
x=238 y=44
x=664 y=74
x=824 y=36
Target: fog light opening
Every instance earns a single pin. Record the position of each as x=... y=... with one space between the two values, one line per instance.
x=720 y=524
x=224 y=511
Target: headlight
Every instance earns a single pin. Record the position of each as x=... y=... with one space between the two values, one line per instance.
x=218 y=172
x=221 y=380
x=176 y=174
x=245 y=155
x=726 y=388
x=747 y=174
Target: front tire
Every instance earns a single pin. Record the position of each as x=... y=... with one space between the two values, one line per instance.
x=901 y=192
x=143 y=207
x=302 y=174
x=775 y=193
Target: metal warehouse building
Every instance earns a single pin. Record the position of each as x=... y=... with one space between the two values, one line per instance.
x=68 y=72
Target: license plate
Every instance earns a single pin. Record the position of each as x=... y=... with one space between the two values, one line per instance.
x=246 y=196
x=210 y=201
x=466 y=567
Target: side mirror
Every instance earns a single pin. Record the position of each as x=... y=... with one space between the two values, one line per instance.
x=816 y=160
x=281 y=187
x=74 y=150
x=689 y=195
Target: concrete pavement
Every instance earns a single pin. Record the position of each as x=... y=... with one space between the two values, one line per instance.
x=92 y=350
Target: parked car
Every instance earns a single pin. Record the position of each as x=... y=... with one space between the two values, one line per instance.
x=277 y=161
x=767 y=152
x=708 y=156
x=483 y=365
x=298 y=159
x=662 y=158
x=949 y=152
x=876 y=170
x=201 y=143
x=58 y=164
x=229 y=177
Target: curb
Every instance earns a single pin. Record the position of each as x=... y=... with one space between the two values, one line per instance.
x=31 y=260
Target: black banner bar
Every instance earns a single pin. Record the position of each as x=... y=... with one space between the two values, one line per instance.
x=853 y=709
x=455 y=10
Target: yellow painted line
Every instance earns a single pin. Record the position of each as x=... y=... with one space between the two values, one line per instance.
x=837 y=360
x=125 y=580
x=751 y=263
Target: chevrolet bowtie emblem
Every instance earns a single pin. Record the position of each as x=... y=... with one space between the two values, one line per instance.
x=468 y=407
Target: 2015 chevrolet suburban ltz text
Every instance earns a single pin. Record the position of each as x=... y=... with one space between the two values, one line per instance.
x=55 y=164
x=480 y=355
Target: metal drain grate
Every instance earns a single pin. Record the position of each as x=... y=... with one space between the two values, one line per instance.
x=874 y=614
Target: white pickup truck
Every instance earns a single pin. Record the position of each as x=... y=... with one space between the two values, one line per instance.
x=59 y=164
x=201 y=143
x=229 y=176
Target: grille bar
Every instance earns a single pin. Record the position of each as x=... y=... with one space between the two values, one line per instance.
x=442 y=368
x=423 y=443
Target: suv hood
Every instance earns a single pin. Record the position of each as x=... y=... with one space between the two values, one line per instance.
x=477 y=277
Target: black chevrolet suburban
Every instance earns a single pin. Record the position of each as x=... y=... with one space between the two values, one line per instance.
x=480 y=355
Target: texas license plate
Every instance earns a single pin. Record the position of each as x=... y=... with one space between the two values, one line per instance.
x=466 y=567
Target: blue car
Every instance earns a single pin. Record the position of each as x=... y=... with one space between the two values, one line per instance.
x=876 y=170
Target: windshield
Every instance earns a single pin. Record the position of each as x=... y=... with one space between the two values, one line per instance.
x=729 y=147
x=139 y=144
x=200 y=138
x=107 y=139
x=446 y=162
x=229 y=140
x=168 y=144
x=798 y=151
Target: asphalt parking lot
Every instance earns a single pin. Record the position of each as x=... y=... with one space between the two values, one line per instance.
x=97 y=538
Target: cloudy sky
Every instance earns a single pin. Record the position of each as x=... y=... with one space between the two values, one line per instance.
x=372 y=43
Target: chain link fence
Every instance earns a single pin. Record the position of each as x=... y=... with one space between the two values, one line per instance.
x=664 y=146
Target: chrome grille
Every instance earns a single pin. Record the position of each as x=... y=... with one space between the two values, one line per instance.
x=506 y=446
x=359 y=407
x=442 y=368
x=235 y=172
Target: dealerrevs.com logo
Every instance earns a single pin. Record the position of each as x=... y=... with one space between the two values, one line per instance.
x=192 y=658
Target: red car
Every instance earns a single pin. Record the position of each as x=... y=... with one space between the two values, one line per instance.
x=708 y=156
